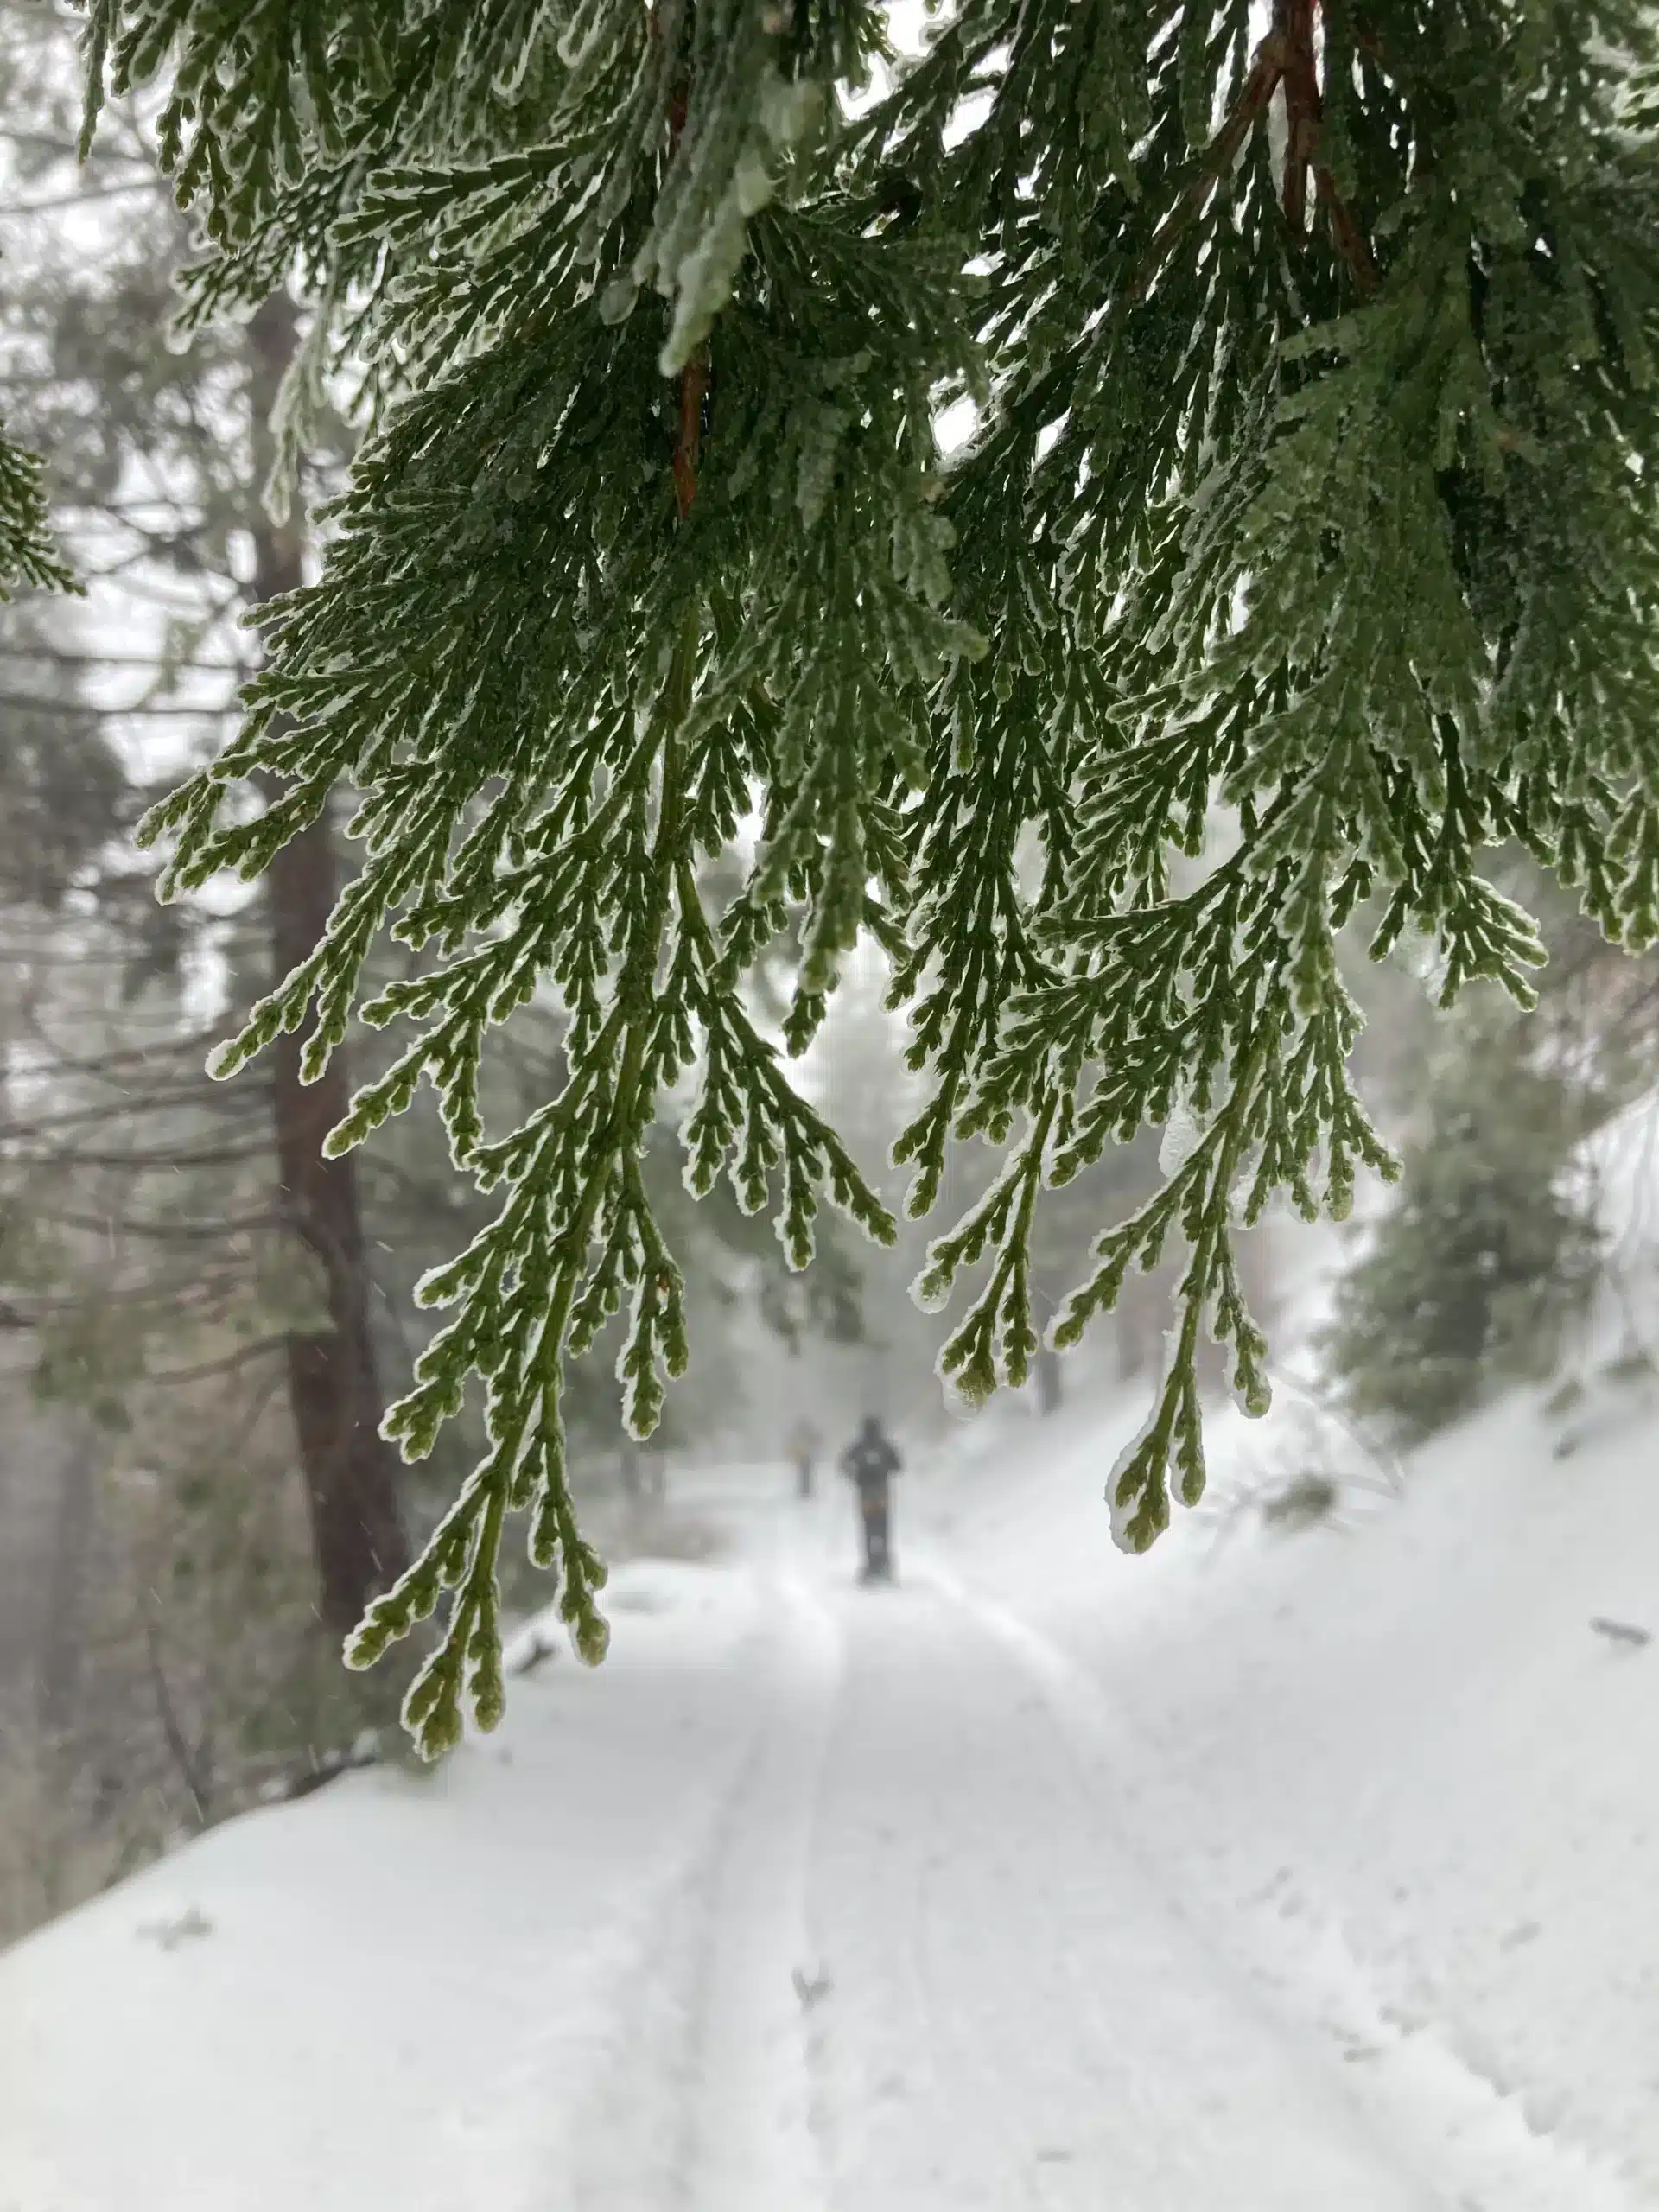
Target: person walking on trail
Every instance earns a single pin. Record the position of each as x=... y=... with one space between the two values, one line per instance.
x=803 y=1446
x=871 y=1462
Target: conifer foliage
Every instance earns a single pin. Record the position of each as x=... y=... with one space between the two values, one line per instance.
x=27 y=554
x=1312 y=348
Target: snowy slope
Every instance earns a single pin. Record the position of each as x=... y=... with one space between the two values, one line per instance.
x=1305 y=1874
x=1393 y=1754
x=403 y=1984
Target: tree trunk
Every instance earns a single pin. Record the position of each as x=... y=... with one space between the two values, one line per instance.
x=63 y=1639
x=334 y=1384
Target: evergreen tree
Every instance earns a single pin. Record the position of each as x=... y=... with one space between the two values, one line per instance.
x=1491 y=1251
x=153 y=456
x=1312 y=348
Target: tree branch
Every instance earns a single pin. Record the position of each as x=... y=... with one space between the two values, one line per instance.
x=1266 y=68
x=244 y=1356
x=168 y=1715
x=1303 y=124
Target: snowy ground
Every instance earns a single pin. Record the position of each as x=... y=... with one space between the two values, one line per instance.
x=1301 y=1873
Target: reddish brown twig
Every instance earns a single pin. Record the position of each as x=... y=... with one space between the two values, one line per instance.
x=1286 y=56
x=694 y=376
x=1302 y=109
x=1304 y=127
x=694 y=386
x=1347 y=236
x=1266 y=67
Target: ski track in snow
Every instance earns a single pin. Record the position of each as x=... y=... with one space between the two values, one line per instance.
x=752 y=2147
x=1467 y=2145
x=1019 y=2018
x=707 y=2100
x=924 y=1965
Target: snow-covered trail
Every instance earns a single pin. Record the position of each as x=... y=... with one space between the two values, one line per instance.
x=932 y=1970
x=816 y=1899
x=1020 y=2016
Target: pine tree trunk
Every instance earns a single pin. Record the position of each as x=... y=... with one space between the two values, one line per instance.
x=334 y=1384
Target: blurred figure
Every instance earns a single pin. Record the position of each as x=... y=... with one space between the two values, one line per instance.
x=871 y=1463
x=805 y=1445
x=642 y=1474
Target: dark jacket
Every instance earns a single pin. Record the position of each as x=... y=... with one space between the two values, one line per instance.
x=871 y=1461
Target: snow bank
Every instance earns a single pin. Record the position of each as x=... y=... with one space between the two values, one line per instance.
x=399 y=1990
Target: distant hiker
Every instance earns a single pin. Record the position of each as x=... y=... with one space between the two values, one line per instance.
x=642 y=1474
x=805 y=1445
x=871 y=1462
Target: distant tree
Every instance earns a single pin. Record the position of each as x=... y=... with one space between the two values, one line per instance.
x=1489 y=1253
